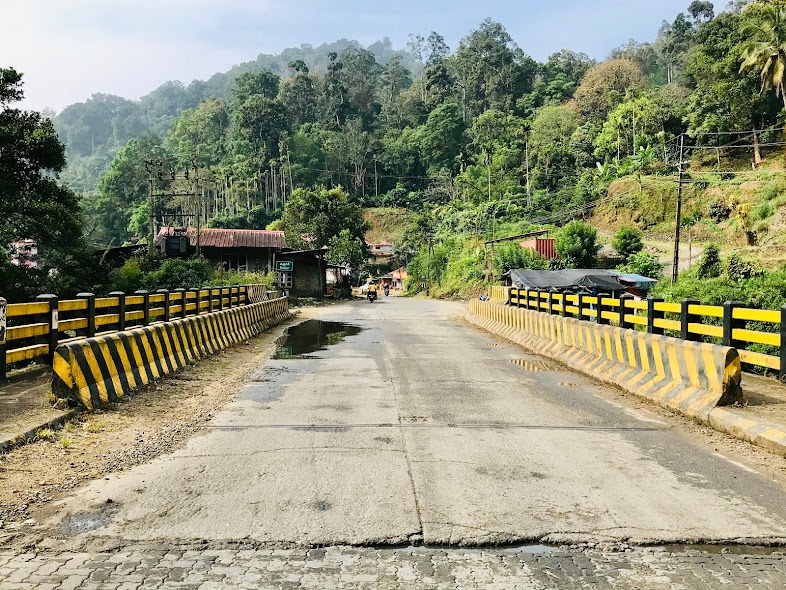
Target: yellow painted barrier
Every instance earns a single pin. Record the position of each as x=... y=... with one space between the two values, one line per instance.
x=688 y=377
x=97 y=371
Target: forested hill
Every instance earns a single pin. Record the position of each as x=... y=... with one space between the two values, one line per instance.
x=476 y=140
x=93 y=131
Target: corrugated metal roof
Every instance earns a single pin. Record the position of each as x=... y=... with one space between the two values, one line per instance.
x=230 y=238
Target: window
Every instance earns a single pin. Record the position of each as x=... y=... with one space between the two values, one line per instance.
x=234 y=261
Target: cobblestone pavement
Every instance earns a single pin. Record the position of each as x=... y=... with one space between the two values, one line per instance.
x=369 y=568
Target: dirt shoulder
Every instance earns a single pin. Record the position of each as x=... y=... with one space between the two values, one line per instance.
x=156 y=420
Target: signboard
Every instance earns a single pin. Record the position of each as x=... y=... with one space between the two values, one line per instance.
x=284 y=266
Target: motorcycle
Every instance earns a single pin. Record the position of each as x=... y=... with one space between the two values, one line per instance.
x=372 y=296
x=387 y=290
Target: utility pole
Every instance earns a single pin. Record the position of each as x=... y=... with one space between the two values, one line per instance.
x=152 y=216
x=675 y=271
x=526 y=152
x=376 y=179
x=198 y=212
x=428 y=266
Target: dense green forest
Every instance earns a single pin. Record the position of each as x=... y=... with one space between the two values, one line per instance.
x=476 y=140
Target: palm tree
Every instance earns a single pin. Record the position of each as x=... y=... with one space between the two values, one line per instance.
x=767 y=48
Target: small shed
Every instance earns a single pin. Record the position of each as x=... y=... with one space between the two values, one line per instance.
x=307 y=276
x=544 y=246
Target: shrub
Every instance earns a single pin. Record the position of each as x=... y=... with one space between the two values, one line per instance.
x=127 y=278
x=175 y=273
x=737 y=269
x=512 y=255
x=762 y=211
x=627 y=241
x=577 y=245
x=709 y=264
x=718 y=211
x=643 y=263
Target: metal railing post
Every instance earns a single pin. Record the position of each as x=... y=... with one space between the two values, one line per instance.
x=198 y=300
x=509 y=300
x=167 y=312
x=210 y=292
x=183 y=302
x=580 y=305
x=52 y=319
x=3 y=337
x=121 y=309
x=782 y=373
x=624 y=324
x=686 y=319
x=600 y=308
x=90 y=315
x=653 y=314
x=730 y=324
x=565 y=302
x=551 y=303
x=145 y=306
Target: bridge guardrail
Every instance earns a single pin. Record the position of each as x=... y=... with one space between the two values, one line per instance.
x=731 y=324
x=30 y=331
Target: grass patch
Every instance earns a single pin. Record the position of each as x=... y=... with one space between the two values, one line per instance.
x=762 y=211
x=94 y=425
x=66 y=441
x=45 y=434
x=386 y=223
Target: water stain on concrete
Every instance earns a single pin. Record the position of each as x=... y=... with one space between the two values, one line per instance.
x=311 y=336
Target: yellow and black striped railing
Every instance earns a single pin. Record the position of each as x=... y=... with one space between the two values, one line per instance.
x=758 y=334
x=94 y=372
x=30 y=331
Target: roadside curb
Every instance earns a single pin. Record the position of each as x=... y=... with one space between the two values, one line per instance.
x=30 y=435
x=727 y=420
x=769 y=436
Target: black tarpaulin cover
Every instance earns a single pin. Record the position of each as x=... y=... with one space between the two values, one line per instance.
x=558 y=280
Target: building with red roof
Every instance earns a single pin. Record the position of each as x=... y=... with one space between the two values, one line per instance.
x=234 y=249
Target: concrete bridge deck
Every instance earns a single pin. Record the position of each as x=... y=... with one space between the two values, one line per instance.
x=420 y=430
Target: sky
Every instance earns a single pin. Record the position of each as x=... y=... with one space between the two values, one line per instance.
x=71 y=49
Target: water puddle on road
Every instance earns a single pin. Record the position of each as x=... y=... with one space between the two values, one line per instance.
x=311 y=336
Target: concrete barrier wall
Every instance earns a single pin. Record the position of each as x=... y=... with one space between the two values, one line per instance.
x=688 y=377
x=96 y=371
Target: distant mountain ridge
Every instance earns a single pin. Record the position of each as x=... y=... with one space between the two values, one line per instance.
x=94 y=130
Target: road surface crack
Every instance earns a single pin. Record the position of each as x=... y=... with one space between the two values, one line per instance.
x=394 y=388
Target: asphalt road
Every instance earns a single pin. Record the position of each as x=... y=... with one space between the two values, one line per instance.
x=422 y=429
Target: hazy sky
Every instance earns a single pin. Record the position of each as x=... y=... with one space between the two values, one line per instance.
x=70 y=49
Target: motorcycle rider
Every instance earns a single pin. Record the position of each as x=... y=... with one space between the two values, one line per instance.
x=372 y=290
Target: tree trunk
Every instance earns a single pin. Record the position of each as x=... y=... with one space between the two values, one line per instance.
x=756 y=150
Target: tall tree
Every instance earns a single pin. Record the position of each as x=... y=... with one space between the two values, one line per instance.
x=122 y=189
x=199 y=136
x=766 y=48
x=605 y=86
x=263 y=83
x=32 y=203
x=490 y=70
x=724 y=100
x=313 y=217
